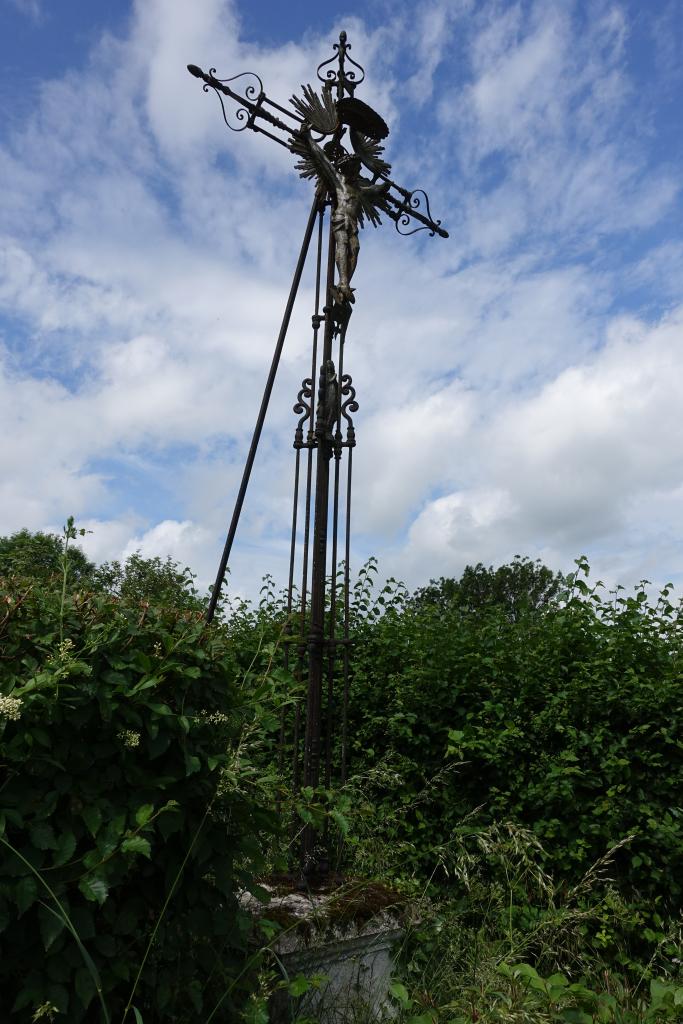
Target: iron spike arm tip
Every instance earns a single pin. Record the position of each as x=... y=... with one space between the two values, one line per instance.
x=412 y=206
x=250 y=106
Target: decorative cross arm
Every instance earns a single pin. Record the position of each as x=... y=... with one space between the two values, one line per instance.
x=328 y=119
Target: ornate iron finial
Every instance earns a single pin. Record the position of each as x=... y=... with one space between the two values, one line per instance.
x=344 y=80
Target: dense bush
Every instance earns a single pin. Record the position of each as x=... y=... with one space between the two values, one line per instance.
x=566 y=719
x=533 y=719
x=127 y=821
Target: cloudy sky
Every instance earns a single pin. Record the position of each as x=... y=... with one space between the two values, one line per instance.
x=520 y=384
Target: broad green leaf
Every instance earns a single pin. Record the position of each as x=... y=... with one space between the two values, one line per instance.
x=42 y=836
x=94 y=888
x=525 y=971
x=160 y=709
x=660 y=990
x=26 y=893
x=400 y=992
x=64 y=850
x=137 y=844
x=59 y=994
x=147 y=684
x=144 y=813
x=298 y=986
x=92 y=816
x=85 y=986
x=340 y=821
x=51 y=925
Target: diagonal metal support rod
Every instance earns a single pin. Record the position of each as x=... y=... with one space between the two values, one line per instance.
x=220 y=576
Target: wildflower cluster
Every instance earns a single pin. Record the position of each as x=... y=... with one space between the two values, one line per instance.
x=214 y=717
x=130 y=738
x=10 y=708
x=64 y=649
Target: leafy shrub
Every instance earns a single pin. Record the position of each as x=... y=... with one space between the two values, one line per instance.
x=126 y=820
x=566 y=720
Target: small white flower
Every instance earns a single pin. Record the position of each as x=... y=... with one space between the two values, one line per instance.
x=62 y=654
x=130 y=738
x=10 y=707
x=215 y=717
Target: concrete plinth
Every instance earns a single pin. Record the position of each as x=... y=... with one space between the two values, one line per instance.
x=347 y=939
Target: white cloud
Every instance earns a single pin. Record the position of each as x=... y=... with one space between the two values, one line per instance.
x=575 y=465
x=507 y=402
x=183 y=541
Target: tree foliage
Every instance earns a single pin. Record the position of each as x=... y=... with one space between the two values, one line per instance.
x=161 y=581
x=39 y=556
x=520 y=587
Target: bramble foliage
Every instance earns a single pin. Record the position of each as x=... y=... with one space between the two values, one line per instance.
x=516 y=738
x=566 y=720
x=127 y=818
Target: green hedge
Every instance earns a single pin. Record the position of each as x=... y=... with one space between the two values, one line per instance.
x=125 y=825
x=567 y=719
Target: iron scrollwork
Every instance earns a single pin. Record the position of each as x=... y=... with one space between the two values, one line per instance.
x=413 y=202
x=251 y=92
x=304 y=410
x=340 y=76
x=348 y=406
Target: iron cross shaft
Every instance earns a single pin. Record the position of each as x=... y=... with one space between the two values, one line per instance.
x=337 y=141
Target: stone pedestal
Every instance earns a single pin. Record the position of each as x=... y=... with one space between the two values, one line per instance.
x=348 y=937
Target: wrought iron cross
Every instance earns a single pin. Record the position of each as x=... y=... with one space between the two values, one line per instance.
x=352 y=186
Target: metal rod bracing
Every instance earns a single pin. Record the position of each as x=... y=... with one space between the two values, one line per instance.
x=332 y=653
x=316 y=636
x=345 y=651
x=316 y=321
x=262 y=412
x=290 y=588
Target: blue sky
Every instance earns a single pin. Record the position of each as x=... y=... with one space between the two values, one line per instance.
x=520 y=384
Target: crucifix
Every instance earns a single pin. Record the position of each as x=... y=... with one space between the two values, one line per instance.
x=337 y=141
